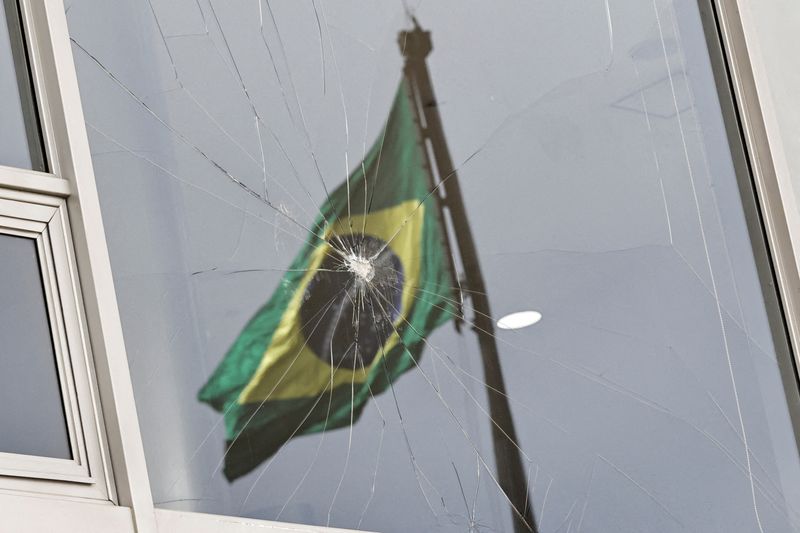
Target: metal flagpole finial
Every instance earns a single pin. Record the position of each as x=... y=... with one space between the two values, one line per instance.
x=415 y=44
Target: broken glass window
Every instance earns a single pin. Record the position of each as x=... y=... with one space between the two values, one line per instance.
x=437 y=266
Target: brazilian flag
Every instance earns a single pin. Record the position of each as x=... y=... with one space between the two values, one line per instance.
x=351 y=313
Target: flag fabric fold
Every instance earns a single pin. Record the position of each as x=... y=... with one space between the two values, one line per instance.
x=352 y=312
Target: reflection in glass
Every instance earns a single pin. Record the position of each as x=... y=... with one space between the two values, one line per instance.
x=350 y=315
x=273 y=251
x=31 y=409
x=20 y=137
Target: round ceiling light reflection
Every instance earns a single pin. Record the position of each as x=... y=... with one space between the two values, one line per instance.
x=519 y=320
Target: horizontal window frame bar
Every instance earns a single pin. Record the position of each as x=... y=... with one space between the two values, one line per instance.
x=34 y=181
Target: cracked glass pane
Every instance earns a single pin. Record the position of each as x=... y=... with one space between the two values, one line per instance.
x=437 y=266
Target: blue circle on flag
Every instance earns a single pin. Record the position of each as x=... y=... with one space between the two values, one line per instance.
x=351 y=303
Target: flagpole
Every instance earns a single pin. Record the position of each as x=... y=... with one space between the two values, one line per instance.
x=511 y=475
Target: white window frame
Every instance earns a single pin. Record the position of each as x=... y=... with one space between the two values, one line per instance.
x=43 y=220
x=58 y=211
x=757 y=91
x=78 y=271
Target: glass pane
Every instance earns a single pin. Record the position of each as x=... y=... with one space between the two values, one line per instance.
x=314 y=337
x=31 y=410
x=20 y=137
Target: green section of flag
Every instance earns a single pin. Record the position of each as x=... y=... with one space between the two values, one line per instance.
x=262 y=384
